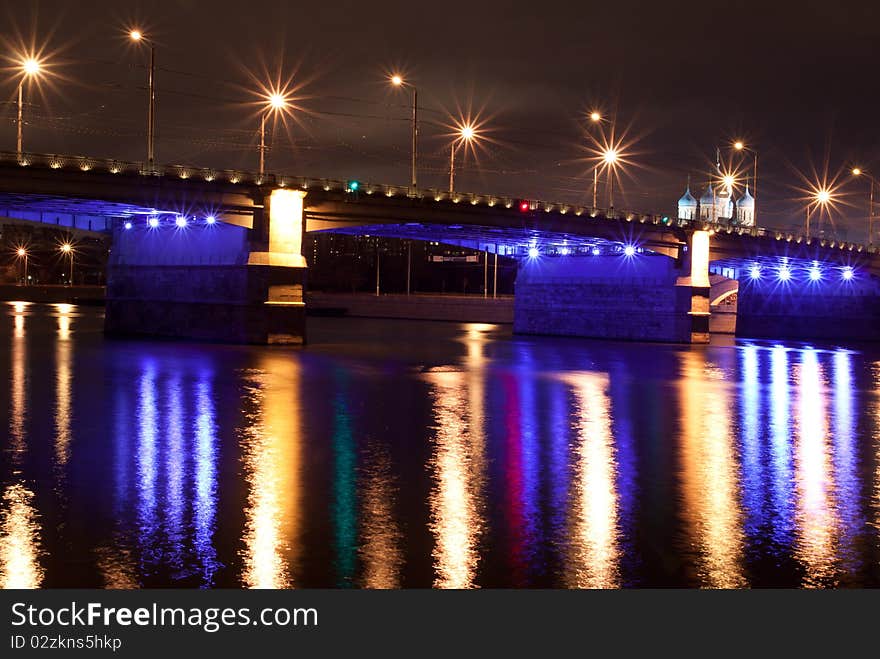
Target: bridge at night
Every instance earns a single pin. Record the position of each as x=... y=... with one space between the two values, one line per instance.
x=217 y=254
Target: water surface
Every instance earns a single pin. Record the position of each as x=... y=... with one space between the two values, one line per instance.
x=405 y=454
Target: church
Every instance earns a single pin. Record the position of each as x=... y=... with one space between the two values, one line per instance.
x=717 y=205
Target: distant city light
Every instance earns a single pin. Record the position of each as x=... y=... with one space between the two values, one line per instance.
x=755 y=272
x=127 y=225
x=847 y=274
x=153 y=222
x=629 y=250
x=533 y=252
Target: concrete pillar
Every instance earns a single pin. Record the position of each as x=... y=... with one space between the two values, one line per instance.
x=697 y=286
x=215 y=283
x=283 y=267
x=612 y=296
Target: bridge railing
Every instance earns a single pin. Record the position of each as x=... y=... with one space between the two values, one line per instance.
x=235 y=176
x=779 y=235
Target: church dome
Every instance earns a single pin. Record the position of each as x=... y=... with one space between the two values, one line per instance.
x=708 y=197
x=688 y=199
x=747 y=200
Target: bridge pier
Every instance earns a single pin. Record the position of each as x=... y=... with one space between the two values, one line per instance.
x=831 y=309
x=642 y=297
x=217 y=282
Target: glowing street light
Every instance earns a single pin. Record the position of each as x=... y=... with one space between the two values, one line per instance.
x=595 y=117
x=398 y=81
x=858 y=171
x=67 y=249
x=22 y=254
x=739 y=145
x=31 y=67
x=467 y=133
x=275 y=102
x=822 y=197
x=137 y=36
x=610 y=158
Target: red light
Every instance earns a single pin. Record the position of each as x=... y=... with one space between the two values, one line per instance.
x=524 y=206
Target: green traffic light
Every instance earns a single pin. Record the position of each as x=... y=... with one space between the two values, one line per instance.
x=353 y=186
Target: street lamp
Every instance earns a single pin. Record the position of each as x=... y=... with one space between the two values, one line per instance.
x=30 y=68
x=466 y=134
x=858 y=171
x=739 y=145
x=610 y=157
x=595 y=117
x=821 y=199
x=137 y=36
x=22 y=254
x=398 y=81
x=67 y=249
x=275 y=102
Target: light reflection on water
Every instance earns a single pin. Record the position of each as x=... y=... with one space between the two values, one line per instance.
x=455 y=456
x=271 y=456
x=710 y=478
x=594 y=511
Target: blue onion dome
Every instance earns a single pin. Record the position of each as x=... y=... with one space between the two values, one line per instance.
x=747 y=200
x=688 y=199
x=708 y=197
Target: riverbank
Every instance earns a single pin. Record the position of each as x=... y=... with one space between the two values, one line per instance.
x=53 y=294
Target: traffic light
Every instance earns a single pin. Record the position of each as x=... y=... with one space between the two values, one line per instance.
x=352 y=186
x=524 y=205
x=666 y=220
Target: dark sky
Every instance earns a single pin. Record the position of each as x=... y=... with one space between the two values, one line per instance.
x=798 y=81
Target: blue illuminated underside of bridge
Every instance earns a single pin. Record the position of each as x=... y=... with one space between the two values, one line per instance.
x=76 y=213
x=495 y=240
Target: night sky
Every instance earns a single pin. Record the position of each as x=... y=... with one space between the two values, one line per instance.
x=797 y=81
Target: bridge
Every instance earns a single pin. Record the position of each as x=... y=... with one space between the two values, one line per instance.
x=217 y=254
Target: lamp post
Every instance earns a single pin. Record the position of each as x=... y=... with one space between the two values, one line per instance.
x=609 y=160
x=595 y=117
x=858 y=171
x=137 y=36
x=465 y=136
x=821 y=197
x=275 y=103
x=23 y=255
x=739 y=145
x=30 y=68
x=67 y=249
x=398 y=81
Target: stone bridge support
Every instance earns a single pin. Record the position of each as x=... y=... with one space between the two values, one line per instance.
x=217 y=282
x=831 y=309
x=643 y=297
